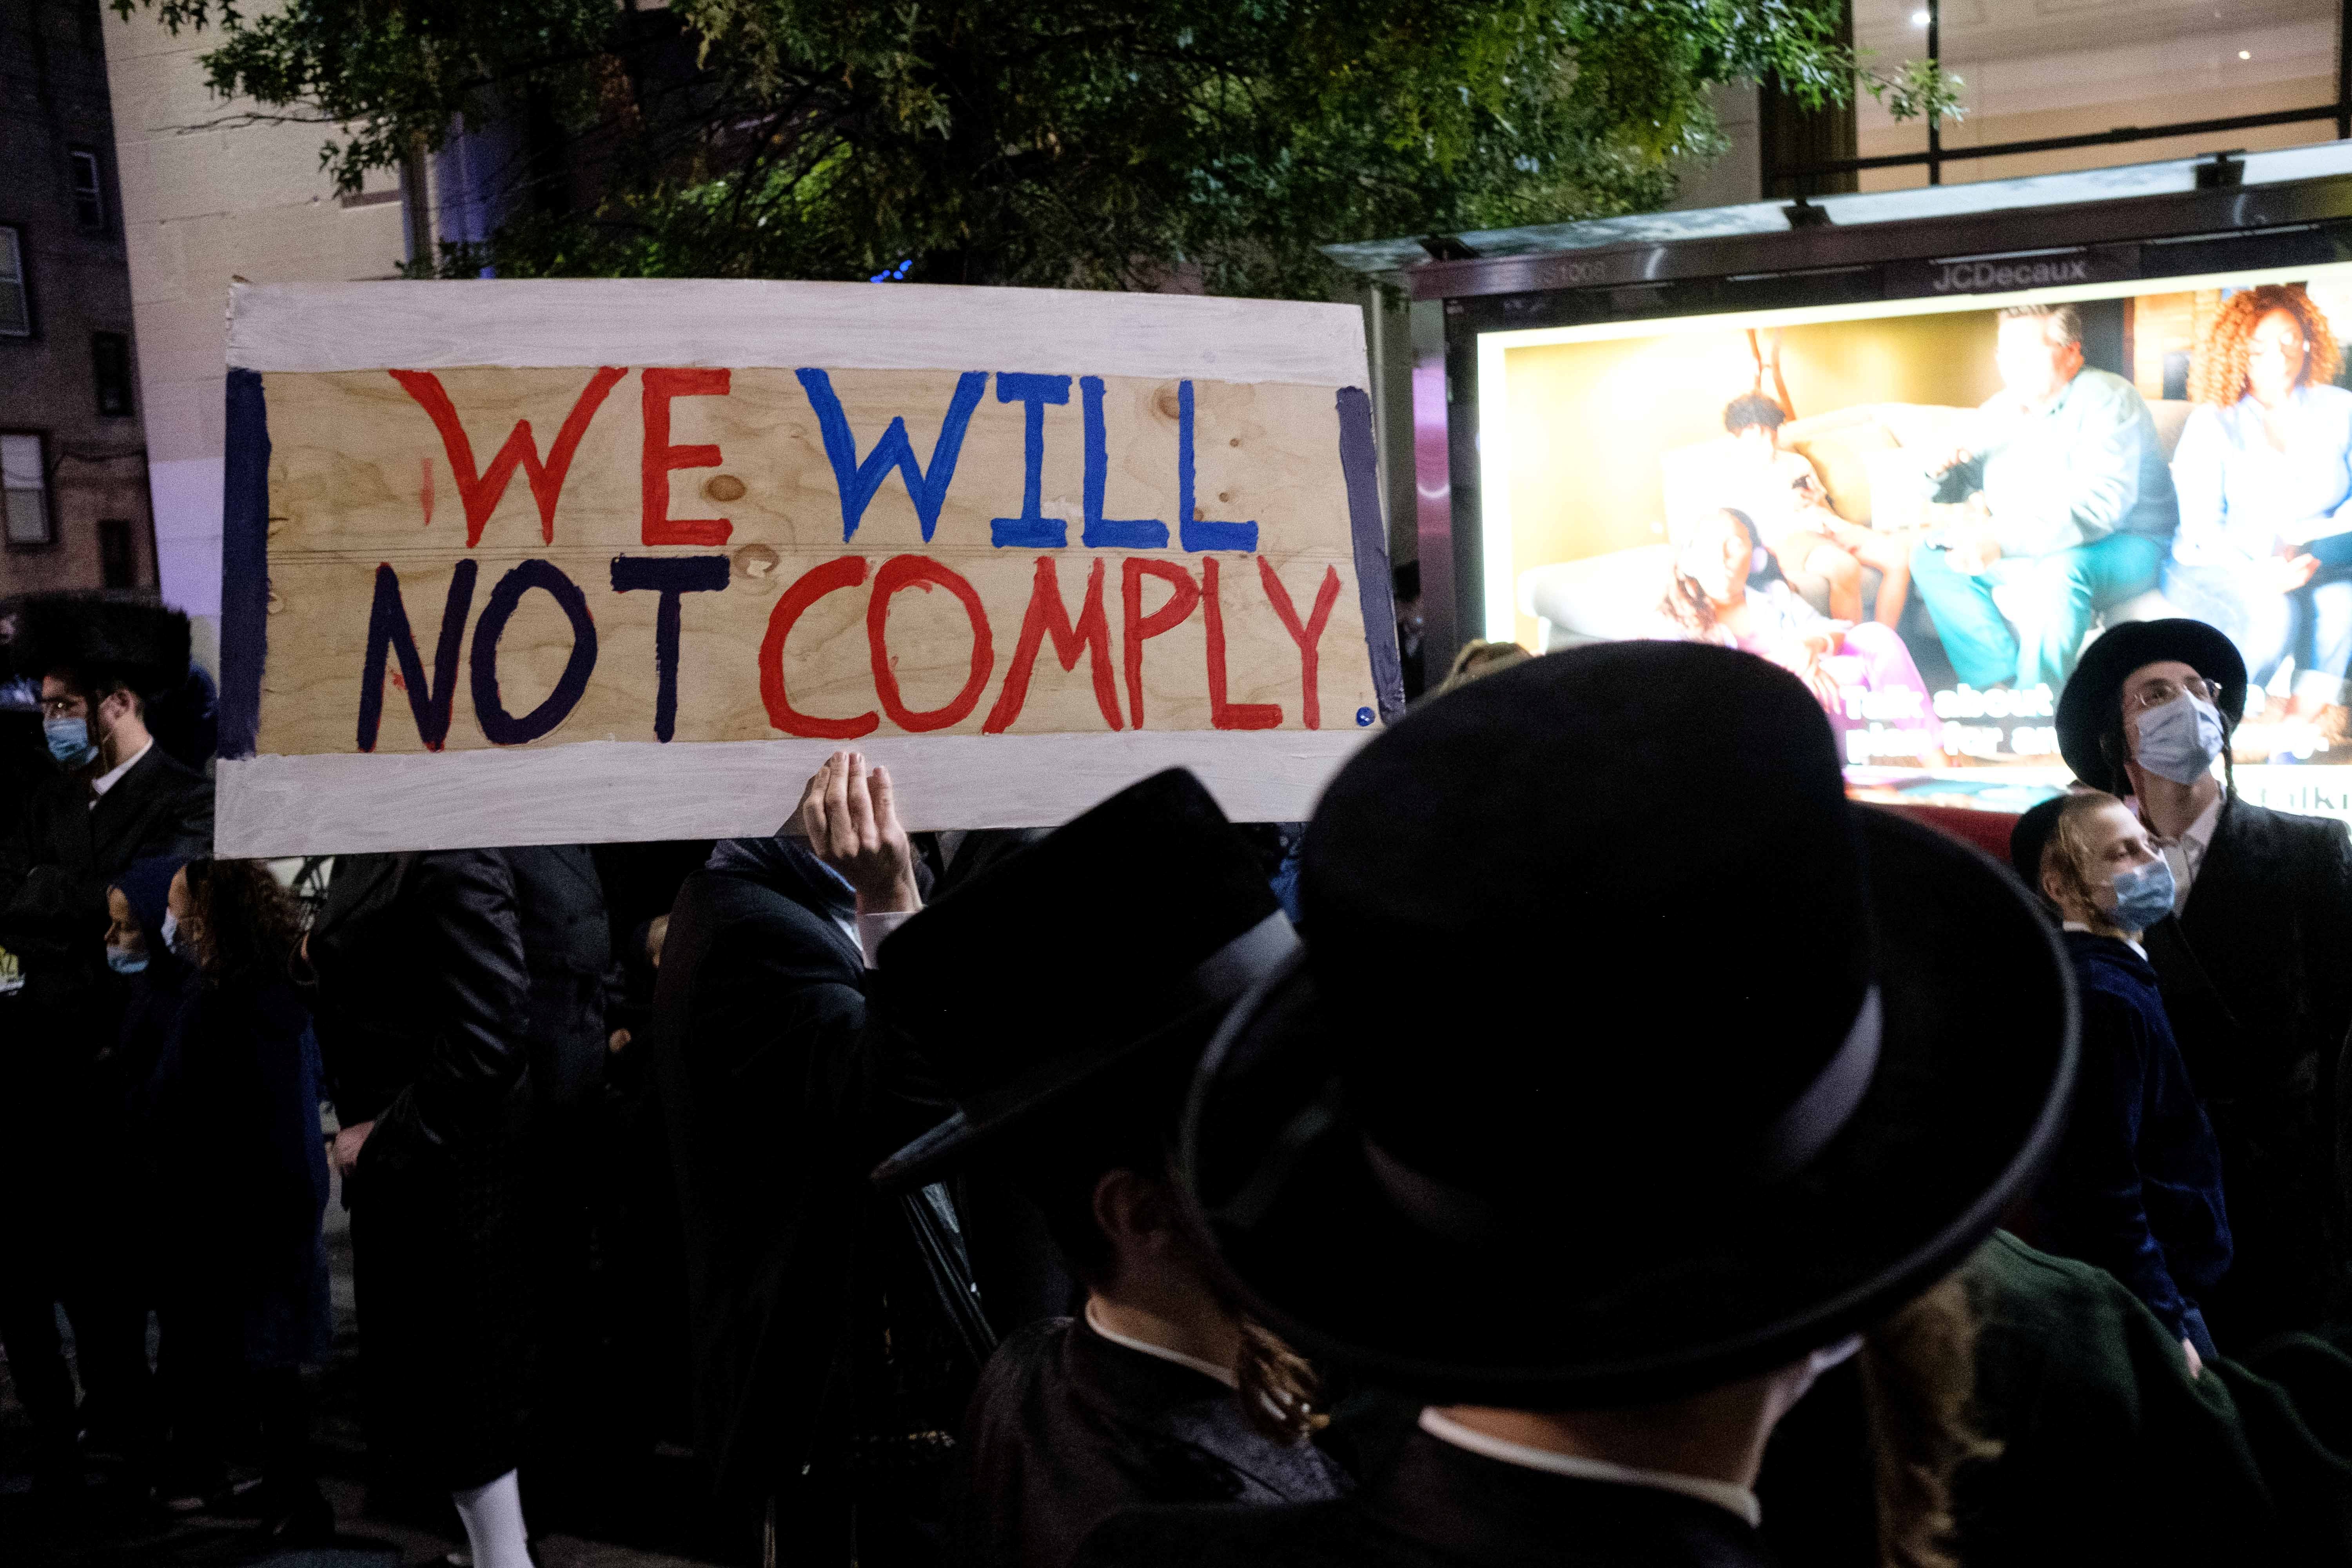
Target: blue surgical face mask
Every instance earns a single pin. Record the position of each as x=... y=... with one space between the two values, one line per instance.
x=2180 y=739
x=2142 y=895
x=70 y=743
x=125 y=959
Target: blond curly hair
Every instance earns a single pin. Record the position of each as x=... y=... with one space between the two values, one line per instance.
x=2218 y=374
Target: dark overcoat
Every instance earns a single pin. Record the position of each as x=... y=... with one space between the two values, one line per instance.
x=1438 y=1505
x=779 y=1093
x=2109 y=1451
x=64 y=1086
x=423 y=1019
x=1067 y=1428
x=2137 y=1187
x=2256 y=972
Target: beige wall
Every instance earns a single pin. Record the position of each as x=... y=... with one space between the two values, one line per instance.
x=204 y=200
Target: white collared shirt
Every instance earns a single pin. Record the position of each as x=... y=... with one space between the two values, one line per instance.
x=871 y=930
x=2186 y=854
x=2087 y=930
x=1223 y=1375
x=1723 y=1494
x=114 y=775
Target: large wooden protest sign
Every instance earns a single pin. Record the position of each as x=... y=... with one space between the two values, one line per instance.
x=544 y=561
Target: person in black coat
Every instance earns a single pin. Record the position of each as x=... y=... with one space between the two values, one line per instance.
x=2255 y=964
x=567 y=949
x=229 y=1115
x=1069 y=1085
x=114 y=797
x=779 y=1092
x=2137 y=1188
x=1609 y=1232
x=423 y=1021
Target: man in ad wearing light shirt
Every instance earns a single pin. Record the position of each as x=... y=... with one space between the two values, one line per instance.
x=2255 y=966
x=2068 y=498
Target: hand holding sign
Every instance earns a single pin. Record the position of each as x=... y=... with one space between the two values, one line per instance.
x=852 y=822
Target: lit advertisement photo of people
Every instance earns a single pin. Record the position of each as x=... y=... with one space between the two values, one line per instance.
x=1927 y=509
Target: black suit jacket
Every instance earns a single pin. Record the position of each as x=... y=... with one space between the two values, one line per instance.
x=64 y=852
x=1067 y=1428
x=1441 y=1507
x=778 y=1091
x=2256 y=974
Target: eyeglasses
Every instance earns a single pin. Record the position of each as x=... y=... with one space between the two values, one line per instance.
x=2157 y=693
x=2280 y=346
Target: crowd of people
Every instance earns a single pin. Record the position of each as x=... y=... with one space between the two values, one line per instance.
x=1592 y=1140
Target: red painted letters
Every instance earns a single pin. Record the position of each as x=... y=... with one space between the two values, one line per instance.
x=1308 y=637
x=1224 y=715
x=922 y=571
x=662 y=459
x=1090 y=634
x=1184 y=594
x=847 y=571
x=480 y=492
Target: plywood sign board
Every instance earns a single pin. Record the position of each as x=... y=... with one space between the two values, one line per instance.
x=514 y=563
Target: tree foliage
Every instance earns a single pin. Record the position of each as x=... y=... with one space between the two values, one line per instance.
x=1059 y=142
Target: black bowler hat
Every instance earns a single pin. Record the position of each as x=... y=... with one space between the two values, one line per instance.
x=2031 y=836
x=1624 y=1057
x=98 y=637
x=1113 y=945
x=2087 y=708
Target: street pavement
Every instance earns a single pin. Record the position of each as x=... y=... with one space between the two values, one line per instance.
x=643 y=1511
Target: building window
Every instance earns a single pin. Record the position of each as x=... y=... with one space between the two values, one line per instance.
x=89 y=196
x=25 y=491
x=15 y=308
x=118 y=558
x=109 y=358
x=2051 y=86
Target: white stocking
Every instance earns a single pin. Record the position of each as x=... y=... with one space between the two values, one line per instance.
x=493 y=1516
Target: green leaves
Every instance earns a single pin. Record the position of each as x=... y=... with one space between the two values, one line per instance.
x=1210 y=144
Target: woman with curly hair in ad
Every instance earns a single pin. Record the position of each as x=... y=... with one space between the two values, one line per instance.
x=2264 y=472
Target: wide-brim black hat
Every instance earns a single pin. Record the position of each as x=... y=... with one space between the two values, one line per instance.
x=1555 y=1179
x=1109 y=950
x=2086 y=708
x=99 y=636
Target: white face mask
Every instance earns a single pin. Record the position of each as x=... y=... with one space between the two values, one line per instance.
x=172 y=940
x=2181 y=739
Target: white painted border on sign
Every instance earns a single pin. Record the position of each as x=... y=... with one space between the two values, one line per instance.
x=616 y=791
x=739 y=322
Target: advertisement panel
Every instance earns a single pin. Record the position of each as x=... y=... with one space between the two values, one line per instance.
x=1926 y=507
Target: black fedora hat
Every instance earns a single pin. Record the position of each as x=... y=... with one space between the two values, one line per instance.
x=98 y=637
x=1114 y=943
x=2087 y=708
x=1624 y=1057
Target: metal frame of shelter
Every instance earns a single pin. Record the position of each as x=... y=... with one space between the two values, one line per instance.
x=2187 y=217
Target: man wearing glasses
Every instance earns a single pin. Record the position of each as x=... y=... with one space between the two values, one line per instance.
x=2255 y=963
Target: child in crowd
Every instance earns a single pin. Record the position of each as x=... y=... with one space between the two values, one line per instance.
x=2137 y=1188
